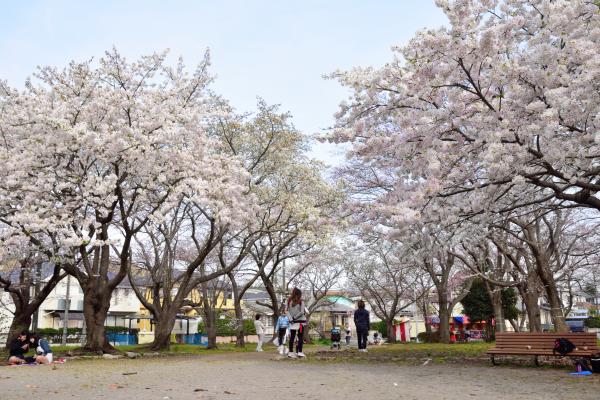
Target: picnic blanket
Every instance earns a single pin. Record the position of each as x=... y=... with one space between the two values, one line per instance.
x=33 y=364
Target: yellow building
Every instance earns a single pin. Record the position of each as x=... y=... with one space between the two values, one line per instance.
x=188 y=317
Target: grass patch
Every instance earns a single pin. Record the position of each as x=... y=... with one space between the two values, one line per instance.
x=411 y=353
x=62 y=351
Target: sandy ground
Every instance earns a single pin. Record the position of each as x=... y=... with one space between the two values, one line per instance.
x=262 y=376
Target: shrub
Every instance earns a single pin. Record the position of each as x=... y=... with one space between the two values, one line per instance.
x=592 y=322
x=380 y=327
x=249 y=328
x=226 y=326
x=54 y=331
x=119 y=329
x=429 y=337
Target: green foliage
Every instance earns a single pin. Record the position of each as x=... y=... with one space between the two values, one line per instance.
x=53 y=331
x=509 y=303
x=226 y=326
x=249 y=328
x=478 y=305
x=429 y=337
x=380 y=327
x=76 y=331
x=118 y=329
x=592 y=322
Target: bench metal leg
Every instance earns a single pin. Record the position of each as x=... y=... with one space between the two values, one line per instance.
x=536 y=360
x=493 y=360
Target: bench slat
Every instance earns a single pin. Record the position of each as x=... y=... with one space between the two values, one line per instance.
x=542 y=344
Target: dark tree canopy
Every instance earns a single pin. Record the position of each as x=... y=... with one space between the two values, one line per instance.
x=478 y=305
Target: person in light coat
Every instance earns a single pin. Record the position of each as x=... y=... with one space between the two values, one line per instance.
x=260 y=331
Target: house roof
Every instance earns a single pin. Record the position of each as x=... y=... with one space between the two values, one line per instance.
x=256 y=294
x=337 y=304
x=259 y=309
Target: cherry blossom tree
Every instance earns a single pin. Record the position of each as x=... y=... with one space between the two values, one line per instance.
x=473 y=109
x=94 y=152
x=387 y=278
x=317 y=273
x=170 y=262
x=296 y=202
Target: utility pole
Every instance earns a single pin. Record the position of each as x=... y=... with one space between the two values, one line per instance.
x=283 y=284
x=66 y=314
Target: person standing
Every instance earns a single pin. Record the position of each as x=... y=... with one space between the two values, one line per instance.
x=297 y=317
x=348 y=335
x=362 y=322
x=281 y=327
x=260 y=331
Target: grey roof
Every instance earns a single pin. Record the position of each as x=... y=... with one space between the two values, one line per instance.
x=256 y=294
x=259 y=308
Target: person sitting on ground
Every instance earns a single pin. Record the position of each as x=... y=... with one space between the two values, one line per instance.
x=362 y=323
x=281 y=327
x=18 y=348
x=43 y=352
x=260 y=331
x=376 y=339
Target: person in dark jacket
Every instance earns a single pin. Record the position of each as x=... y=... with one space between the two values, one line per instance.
x=362 y=323
x=18 y=348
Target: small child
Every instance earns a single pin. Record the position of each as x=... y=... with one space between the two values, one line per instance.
x=348 y=336
x=376 y=338
x=281 y=327
x=260 y=331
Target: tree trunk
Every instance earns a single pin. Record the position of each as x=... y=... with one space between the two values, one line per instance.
x=96 y=303
x=20 y=322
x=240 y=340
x=544 y=272
x=515 y=325
x=496 y=298
x=162 y=331
x=444 y=319
x=210 y=323
x=424 y=305
x=556 y=310
x=391 y=332
x=26 y=305
x=530 y=300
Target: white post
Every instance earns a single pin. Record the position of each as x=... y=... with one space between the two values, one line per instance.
x=416 y=317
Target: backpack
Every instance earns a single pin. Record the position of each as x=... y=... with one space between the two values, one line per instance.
x=563 y=346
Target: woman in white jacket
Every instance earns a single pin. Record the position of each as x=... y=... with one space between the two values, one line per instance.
x=260 y=331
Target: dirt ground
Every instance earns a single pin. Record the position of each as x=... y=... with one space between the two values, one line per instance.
x=259 y=376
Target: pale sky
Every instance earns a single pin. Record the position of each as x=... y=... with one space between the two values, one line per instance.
x=277 y=50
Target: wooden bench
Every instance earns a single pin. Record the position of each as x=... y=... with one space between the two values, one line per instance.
x=542 y=344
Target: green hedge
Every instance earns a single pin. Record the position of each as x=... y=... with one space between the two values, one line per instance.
x=53 y=331
x=75 y=331
x=592 y=322
x=380 y=327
